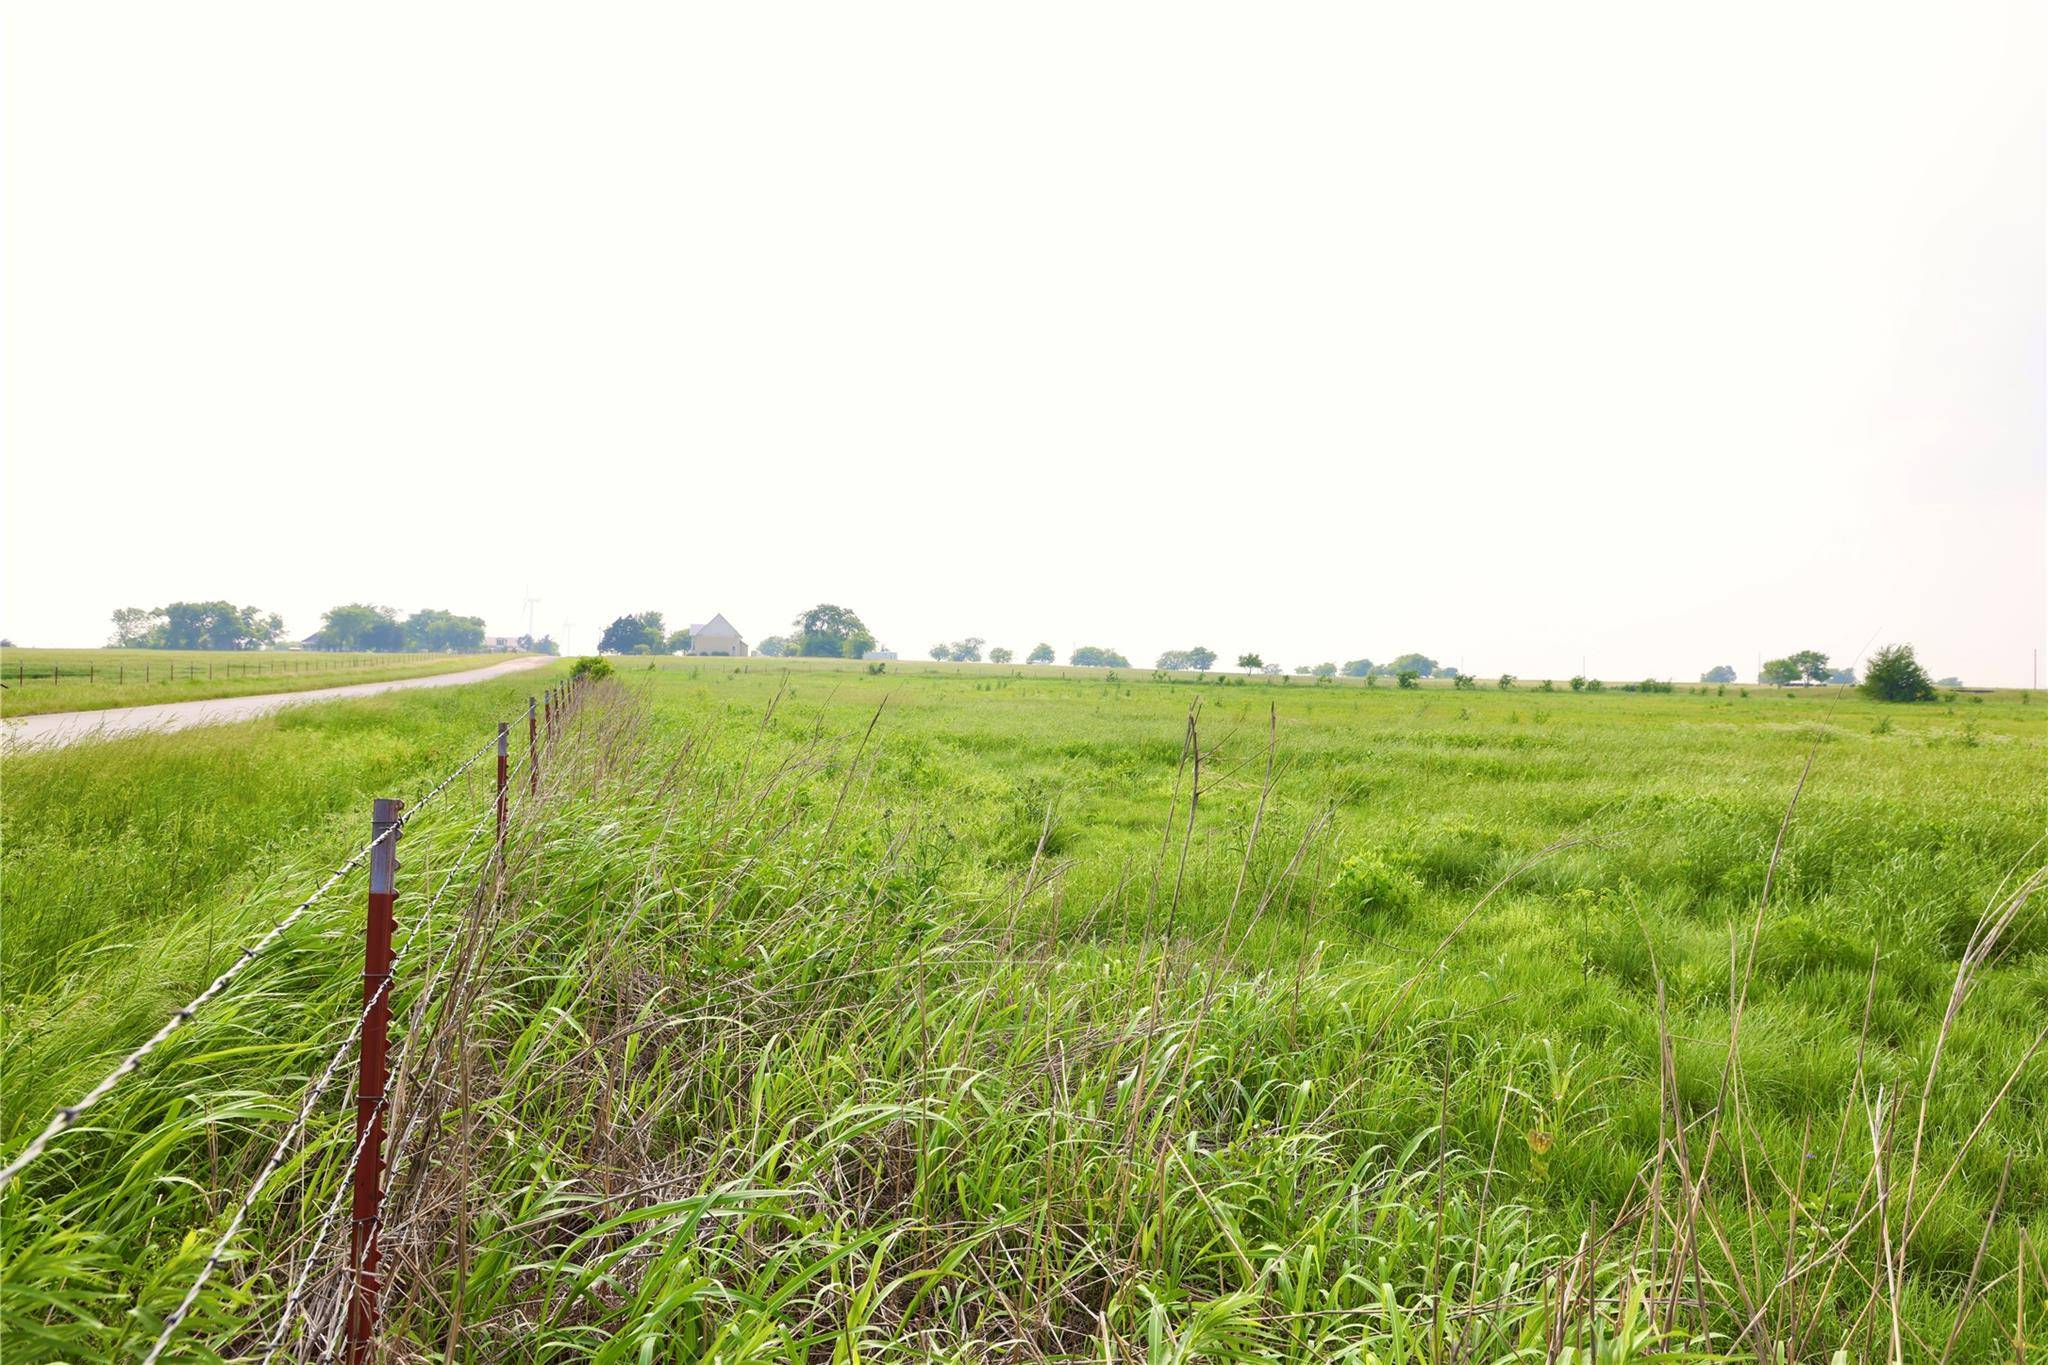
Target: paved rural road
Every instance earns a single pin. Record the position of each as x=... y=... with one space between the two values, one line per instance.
x=59 y=728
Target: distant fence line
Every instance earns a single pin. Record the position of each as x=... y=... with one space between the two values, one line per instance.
x=173 y=670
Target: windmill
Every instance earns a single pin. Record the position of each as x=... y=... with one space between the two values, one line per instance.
x=531 y=603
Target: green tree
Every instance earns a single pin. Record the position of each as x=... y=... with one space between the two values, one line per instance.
x=1358 y=668
x=1325 y=670
x=643 y=633
x=1420 y=664
x=1811 y=663
x=1407 y=677
x=1505 y=681
x=967 y=651
x=831 y=632
x=360 y=625
x=774 y=647
x=212 y=625
x=1779 y=671
x=940 y=651
x=433 y=630
x=999 y=655
x=544 y=645
x=1893 y=674
x=1095 y=656
x=678 y=642
x=1719 y=673
x=1041 y=653
x=132 y=627
x=1250 y=663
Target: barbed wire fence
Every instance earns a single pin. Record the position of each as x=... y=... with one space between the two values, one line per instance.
x=367 y=1170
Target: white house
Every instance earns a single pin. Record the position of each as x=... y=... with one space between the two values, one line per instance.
x=717 y=639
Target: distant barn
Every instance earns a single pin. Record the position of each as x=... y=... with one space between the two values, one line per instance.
x=717 y=639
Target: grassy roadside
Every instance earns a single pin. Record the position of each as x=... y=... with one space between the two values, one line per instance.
x=42 y=681
x=130 y=865
x=969 y=1040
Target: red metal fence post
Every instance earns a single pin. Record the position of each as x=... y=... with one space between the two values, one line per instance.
x=504 y=768
x=532 y=749
x=372 y=1079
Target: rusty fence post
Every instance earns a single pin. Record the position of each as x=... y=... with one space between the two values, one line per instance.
x=532 y=749
x=504 y=769
x=372 y=1079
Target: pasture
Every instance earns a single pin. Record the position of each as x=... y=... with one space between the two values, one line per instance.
x=39 y=681
x=974 y=1012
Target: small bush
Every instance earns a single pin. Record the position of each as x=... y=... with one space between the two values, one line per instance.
x=1407 y=677
x=877 y=668
x=1895 y=675
x=592 y=668
x=1376 y=886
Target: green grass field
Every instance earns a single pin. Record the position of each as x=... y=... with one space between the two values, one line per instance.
x=817 y=1014
x=39 y=681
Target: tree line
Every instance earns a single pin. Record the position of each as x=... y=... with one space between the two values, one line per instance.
x=358 y=626
x=834 y=632
x=196 y=625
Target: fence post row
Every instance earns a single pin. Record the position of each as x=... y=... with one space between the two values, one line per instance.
x=372 y=1078
x=532 y=749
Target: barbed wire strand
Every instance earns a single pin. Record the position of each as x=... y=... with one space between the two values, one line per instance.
x=327 y=1331
x=67 y=1117
x=334 y=1207
x=277 y=1155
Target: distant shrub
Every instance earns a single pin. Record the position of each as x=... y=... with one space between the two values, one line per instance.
x=1895 y=675
x=1595 y=685
x=1578 y=683
x=1647 y=685
x=592 y=669
x=1375 y=885
x=1546 y=686
x=1464 y=683
x=1406 y=677
x=877 y=668
x=1505 y=681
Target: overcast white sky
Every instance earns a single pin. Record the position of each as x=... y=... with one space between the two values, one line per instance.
x=1660 y=335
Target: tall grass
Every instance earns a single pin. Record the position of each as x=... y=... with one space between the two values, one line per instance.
x=792 y=1028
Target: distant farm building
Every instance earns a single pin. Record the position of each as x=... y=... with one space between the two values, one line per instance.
x=501 y=644
x=717 y=639
x=879 y=654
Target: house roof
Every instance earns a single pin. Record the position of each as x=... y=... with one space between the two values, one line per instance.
x=717 y=625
